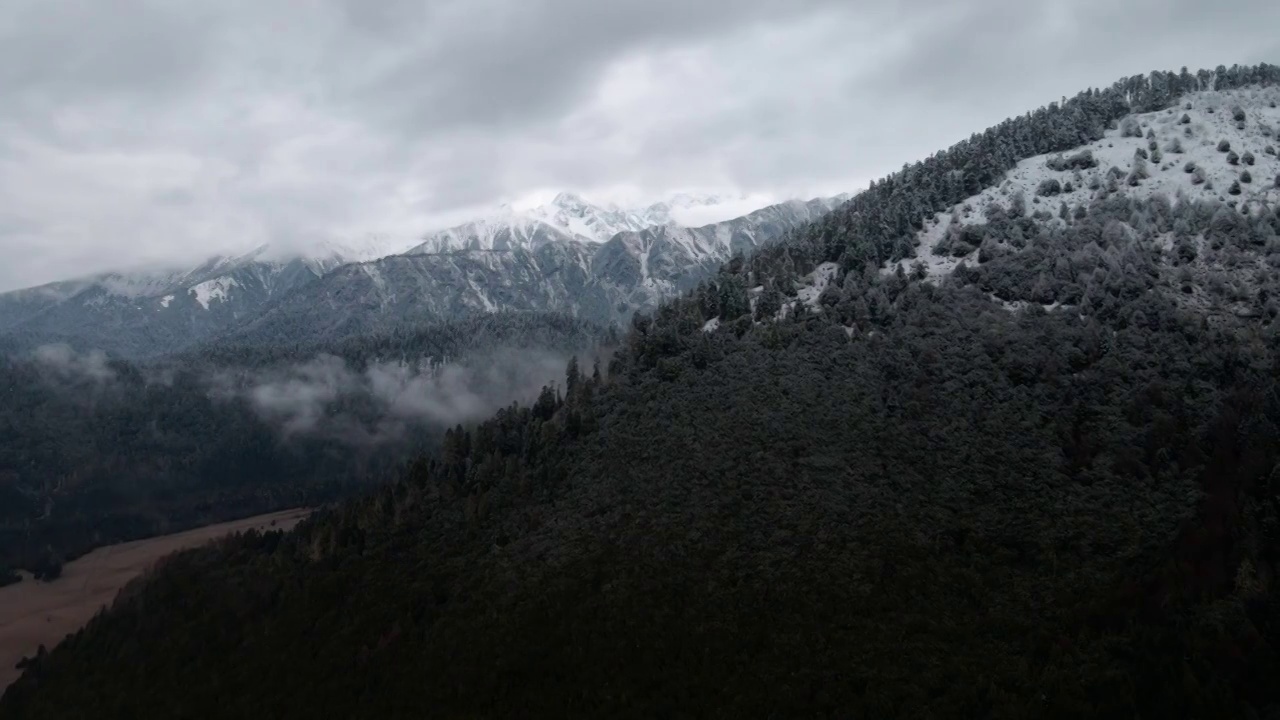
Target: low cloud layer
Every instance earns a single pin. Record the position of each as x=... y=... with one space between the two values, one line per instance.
x=138 y=132
x=381 y=402
x=327 y=397
x=65 y=363
x=301 y=397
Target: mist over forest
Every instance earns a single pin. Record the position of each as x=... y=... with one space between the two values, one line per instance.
x=104 y=449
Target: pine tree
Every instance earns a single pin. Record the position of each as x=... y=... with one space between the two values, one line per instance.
x=573 y=376
x=769 y=305
x=1139 y=172
x=733 y=298
x=1018 y=206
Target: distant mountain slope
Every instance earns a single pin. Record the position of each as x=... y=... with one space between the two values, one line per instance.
x=406 y=289
x=20 y=305
x=151 y=313
x=602 y=283
x=668 y=259
x=557 y=258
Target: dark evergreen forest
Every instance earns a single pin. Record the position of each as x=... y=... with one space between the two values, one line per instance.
x=118 y=451
x=916 y=498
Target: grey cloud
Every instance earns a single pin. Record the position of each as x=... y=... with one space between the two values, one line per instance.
x=64 y=362
x=1005 y=57
x=78 y=50
x=144 y=131
x=322 y=396
x=453 y=393
x=496 y=62
x=301 y=398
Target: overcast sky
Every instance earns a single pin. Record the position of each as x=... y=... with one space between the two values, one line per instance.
x=137 y=131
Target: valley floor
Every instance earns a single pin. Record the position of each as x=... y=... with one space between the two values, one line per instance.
x=34 y=613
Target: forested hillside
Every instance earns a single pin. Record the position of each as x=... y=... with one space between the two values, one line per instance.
x=1041 y=485
x=881 y=223
x=98 y=451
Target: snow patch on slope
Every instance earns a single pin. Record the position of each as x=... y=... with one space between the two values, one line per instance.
x=375 y=275
x=811 y=288
x=816 y=282
x=211 y=290
x=1210 y=121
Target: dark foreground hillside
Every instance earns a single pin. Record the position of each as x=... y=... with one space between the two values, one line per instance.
x=969 y=513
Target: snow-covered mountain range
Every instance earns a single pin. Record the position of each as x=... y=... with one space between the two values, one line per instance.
x=570 y=255
x=128 y=312
x=567 y=217
x=602 y=282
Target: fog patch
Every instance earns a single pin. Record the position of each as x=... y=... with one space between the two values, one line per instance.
x=453 y=393
x=383 y=401
x=301 y=400
x=64 y=361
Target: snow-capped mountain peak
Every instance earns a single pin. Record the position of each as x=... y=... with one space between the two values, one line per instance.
x=570 y=201
x=570 y=216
